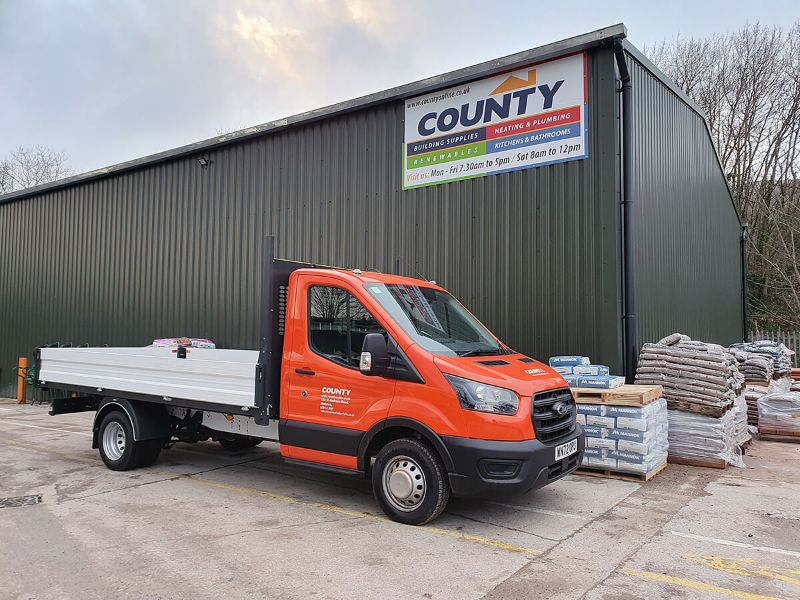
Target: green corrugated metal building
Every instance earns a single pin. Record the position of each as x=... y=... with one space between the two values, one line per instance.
x=536 y=246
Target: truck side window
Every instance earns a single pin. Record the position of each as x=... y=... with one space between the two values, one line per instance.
x=338 y=324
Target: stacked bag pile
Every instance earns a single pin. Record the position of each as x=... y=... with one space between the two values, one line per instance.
x=781 y=355
x=627 y=439
x=701 y=384
x=579 y=372
x=696 y=376
x=752 y=393
x=754 y=366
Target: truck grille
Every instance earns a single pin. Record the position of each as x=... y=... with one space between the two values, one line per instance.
x=548 y=425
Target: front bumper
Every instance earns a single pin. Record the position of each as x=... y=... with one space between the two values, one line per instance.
x=485 y=468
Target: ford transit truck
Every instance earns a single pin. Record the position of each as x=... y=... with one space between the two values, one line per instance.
x=362 y=373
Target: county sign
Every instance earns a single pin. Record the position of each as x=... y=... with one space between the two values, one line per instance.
x=527 y=118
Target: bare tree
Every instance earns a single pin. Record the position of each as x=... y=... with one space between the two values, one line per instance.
x=748 y=84
x=29 y=166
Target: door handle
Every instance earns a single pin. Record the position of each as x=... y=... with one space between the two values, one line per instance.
x=304 y=372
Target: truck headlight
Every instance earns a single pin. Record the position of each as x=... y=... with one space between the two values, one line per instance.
x=473 y=395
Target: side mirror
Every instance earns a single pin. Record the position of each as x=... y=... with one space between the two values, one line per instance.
x=374 y=355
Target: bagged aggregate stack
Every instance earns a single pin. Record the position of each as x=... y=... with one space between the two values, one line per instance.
x=754 y=366
x=696 y=376
x=780 y=354
x=752 y=392
x=779 y=414
x=628 y=439
x=700 y=438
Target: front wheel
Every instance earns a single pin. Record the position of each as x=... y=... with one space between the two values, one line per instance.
x=410 y=482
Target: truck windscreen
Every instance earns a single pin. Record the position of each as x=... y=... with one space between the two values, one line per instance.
x=435 y=320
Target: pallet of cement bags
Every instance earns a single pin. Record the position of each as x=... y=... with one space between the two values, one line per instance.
x=779 y=417
x=697 y=377
x=624 y=442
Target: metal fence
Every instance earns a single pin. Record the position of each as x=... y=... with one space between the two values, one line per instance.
x=790 y=339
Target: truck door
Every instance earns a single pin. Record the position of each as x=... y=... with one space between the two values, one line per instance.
x=325 y=386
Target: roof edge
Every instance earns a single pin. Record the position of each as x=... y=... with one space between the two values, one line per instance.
x=423 y=86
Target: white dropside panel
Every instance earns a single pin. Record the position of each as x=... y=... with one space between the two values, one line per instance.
x=220 y=376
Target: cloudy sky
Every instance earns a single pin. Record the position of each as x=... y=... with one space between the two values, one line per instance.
x=108 y=81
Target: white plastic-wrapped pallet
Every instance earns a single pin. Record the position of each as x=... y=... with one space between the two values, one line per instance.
x=779 y=413
x=698 y=437
x=740 y=433
x=628 y=439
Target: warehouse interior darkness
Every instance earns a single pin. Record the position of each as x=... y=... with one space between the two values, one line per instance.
x=604 y=225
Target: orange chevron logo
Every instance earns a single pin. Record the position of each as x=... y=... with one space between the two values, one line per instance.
x=513 y=82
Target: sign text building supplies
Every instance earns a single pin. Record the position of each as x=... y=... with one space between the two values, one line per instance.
x=530 y=117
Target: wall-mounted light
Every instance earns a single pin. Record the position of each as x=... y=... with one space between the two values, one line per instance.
x=202 y=161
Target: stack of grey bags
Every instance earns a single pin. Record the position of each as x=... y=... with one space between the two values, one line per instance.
x=696 y=376
x=780 y=354
x=753 y=365
x=703 y=438
x=779 y=413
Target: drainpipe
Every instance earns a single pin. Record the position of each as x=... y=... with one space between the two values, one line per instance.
x=631 y=349
x=745 y=333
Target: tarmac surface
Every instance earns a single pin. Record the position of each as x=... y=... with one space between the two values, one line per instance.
x=207 y=523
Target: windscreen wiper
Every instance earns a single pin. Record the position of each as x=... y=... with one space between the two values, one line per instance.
x=482 y=352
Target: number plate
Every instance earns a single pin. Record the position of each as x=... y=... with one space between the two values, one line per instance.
x=568 y=449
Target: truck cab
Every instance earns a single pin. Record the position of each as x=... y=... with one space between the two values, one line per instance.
x=363 y=373
x=392 y=376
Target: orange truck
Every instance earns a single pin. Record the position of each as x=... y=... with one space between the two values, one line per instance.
x=362 y=373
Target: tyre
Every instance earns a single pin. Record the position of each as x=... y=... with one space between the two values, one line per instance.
x=147 y=452
x=118 y=449
x=410 y=482
x=115 y=437
x=235 y=443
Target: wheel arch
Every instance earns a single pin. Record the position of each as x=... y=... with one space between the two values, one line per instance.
x=148 y=421
x=395 y=428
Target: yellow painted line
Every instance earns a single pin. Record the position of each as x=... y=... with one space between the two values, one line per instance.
x=478 y=539
x=694 y=585
x=745 y=567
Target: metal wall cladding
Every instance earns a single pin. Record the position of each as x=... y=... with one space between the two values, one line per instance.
x=174 y=248
x=687 y=233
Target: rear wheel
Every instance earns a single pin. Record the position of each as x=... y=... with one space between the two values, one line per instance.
x=118 y=449
x=410 y=482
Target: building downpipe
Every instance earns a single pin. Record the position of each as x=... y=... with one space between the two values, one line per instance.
x=631 y=350
x=745 y=333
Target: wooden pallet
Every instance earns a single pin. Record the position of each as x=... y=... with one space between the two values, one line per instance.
x=771 y=437
x=611 y=474
x=709 y=463
x=624 y=395
x=774 y=434
x=699 y=409
x=760 y=383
